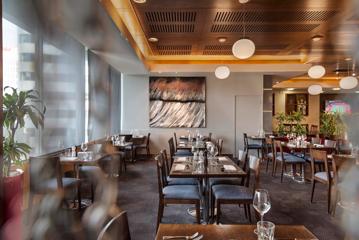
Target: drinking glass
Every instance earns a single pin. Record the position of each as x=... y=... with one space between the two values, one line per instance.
x=265 y=230
x=261 y=202
x=83 y=147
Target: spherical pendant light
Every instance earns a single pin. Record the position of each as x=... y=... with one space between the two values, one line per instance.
x=316 y=71
x=348 y=82
x=243 y=48
x=222 y=72
x=315 y=89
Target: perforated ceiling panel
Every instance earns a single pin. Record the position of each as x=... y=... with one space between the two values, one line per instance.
x=174 y=49
x=171 y=28
x=233 y=28
x=173 y=16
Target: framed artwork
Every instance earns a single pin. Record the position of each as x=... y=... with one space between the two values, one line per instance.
x=177 y=102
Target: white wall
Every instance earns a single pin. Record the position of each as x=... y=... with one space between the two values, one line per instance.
x=220 y=105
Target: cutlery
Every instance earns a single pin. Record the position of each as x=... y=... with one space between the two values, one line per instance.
x=191 y=237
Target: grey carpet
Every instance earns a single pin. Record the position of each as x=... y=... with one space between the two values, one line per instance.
x=138 y=195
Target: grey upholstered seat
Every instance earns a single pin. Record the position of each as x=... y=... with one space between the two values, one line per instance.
x=291 y=159
x=181 y=181
x=323 y=175
x=229 y=181
x=181 y=192
x=232 y=192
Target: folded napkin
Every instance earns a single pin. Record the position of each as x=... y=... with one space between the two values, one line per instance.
x=181 y=159
x=222 y=159
x=180 y=167
x=229 y=168
x=318 y=145
x=68 y=158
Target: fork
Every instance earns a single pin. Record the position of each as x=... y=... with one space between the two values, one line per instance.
x=189 y=237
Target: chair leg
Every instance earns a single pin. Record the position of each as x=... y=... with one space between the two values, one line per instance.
x=329 y=197
x=267 y=164
x=245 y=210
x=218 y=205
x=198 y=212
x=159 y=214
x=274 y=168
x=148 y=152
x=249 y=212
x=79 y=195
x=282 y=171
x=312 y=195
x=92 y=193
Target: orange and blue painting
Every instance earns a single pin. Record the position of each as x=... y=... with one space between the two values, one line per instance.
x=177 y=102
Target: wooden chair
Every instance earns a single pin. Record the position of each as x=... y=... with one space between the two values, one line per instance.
x=173 y=151
x=235 y=194
x=285 y=159
x=46 y=177
x=315 y=140
x=269 y=152
x=175 y=140
x=251 y=146
x=116 y=229
x=210 y=136
x=145 y=146
x=313 y=130
x=174 y=194
x=114 y=160
x=174 y=181
x=322 y=177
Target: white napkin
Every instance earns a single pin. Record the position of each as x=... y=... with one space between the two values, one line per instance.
x=222 y=159
x=318 y=145
x=180 y=159
x=229 y=168
x=180 y=167
x=68 y=158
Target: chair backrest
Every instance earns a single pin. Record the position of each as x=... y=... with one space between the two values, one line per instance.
x=117 y=228
x=253 y=163
x=242 y=159
x=165 y=162
x=245 y=139
x=210 y=136
x=171 y=147
x=148 y=139
x=315 y=140
x=220 y=146
x=313 y=129
x=340 y=164
x=161 y=177
x=127 y=137
x=319 y=156
x=277 y=146
x=43 y=169
x=175 y=139
x=330 y=143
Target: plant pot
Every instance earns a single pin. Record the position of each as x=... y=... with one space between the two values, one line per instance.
x=12 y=202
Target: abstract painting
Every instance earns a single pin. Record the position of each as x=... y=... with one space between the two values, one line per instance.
x=178 y=102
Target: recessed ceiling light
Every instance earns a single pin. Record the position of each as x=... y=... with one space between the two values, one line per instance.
x=336 y=89
x=153 y=39
x=276 y=82
x=222 y=39
x=348 y=59
x=243 y=1
x=290 y=89
x=139 y=1
x=354 y=74
x=317 y=38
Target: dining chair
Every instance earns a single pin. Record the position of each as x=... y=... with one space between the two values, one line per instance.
x=105 y=222
x=219 y=146
x=251 y=146
x=46 y=177
x=236 y=194
x=174 y=194
x=145 y=145
x=313 y=130
x=175 y=140
x=330 y=143
x=209 y=137
x=285 y=159
x=173 y=151
x=315 y=140
x=324 y=177
x=114 y=160
x=174 y=181
x=269 y=152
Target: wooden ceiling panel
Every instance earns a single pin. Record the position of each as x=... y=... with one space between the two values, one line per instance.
x=172 y=16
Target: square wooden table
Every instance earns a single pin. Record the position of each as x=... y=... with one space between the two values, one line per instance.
x=238 y=232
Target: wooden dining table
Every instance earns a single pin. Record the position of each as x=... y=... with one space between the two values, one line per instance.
x=234 y=232
x=221 y=167
x=77 y=161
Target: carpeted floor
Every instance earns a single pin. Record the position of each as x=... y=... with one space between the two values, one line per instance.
x=138 y=195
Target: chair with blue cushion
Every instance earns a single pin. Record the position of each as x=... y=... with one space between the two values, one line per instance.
x=236 y=194
x=251 y=146
x=173 y=151
x=174 y=194
x=175 y=181
x=285 y=159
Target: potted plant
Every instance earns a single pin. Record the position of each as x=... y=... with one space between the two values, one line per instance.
x=327 y=125
x=297 y=118
x=17 y=106
x=281 y=119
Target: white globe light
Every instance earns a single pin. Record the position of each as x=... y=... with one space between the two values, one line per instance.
x=222 y=72
x=315 y=89
x=349 y=82
x=243 y=48
x=316 y=71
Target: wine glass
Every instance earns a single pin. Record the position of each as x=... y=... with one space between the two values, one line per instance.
x=261 y=202
x=84 y=147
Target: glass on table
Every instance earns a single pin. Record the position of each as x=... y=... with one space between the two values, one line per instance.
x=265 y=230
x=83 y=147
x=261 y=202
